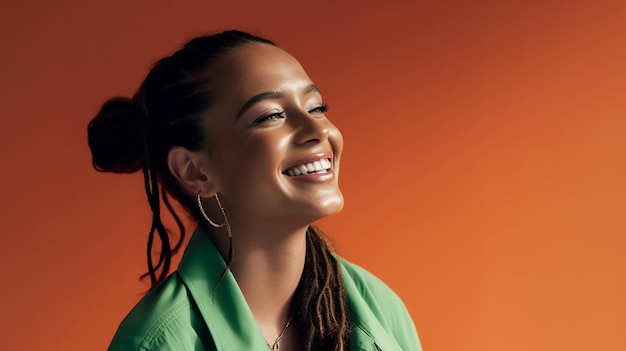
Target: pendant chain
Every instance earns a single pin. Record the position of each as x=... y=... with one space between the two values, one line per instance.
x=274 y=346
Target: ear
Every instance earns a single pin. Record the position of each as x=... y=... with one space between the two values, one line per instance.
x=191 y=171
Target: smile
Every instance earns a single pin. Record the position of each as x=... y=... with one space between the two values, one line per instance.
x=320 y=166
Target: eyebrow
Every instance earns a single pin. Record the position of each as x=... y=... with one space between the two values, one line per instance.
x=272 y=95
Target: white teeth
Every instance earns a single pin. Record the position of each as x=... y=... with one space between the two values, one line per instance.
x=315 y=166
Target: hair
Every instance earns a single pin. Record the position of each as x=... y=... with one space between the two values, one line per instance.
x=128 y=135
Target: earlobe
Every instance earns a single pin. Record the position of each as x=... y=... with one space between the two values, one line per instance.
x=190 y=171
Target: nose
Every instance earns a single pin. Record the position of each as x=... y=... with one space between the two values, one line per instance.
x=311 y=129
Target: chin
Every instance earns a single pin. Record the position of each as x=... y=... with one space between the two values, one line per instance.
x=334 y=206
x=329 y=206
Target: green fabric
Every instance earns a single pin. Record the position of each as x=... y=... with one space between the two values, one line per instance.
x=186 y=312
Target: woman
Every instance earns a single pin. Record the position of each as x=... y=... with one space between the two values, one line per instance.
x=233 y=128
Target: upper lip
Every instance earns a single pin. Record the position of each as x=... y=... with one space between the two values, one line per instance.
x=312 y=158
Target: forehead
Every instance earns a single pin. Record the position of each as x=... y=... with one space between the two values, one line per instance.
x=256 y=68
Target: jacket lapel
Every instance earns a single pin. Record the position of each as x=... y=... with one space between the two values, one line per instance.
x=224 y=309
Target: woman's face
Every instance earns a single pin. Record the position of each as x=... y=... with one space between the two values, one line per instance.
x=272 y=153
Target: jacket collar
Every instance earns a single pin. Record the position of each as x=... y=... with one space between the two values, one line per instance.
x=222 y=305
x=230 y=320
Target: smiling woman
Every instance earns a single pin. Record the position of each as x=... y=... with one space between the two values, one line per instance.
x=232 y=127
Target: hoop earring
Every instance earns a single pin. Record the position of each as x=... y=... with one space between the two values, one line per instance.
x=216 y=225
x=207 y=216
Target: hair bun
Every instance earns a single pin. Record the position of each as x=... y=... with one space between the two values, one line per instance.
x=116 y=137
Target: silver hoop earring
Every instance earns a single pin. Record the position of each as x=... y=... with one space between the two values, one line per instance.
x=207 y=216
x=216 y=225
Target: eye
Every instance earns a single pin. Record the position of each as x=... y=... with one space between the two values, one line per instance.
x=319 y=109
x=269 y=117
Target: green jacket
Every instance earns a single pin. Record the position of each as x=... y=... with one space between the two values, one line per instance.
x=182 y=313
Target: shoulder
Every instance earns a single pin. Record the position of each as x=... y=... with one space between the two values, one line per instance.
x=165 y=319
x=370 y=288
x=368 y=284
x=374 y=304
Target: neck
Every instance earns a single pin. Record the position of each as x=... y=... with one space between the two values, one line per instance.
x=267 y=265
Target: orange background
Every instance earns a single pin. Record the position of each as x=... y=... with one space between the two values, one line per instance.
x=483 y=172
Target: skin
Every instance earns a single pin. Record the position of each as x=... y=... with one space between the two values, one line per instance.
x=245 y=160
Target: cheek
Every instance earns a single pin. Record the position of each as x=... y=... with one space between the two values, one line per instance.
x=248 y=161
x=265 y=149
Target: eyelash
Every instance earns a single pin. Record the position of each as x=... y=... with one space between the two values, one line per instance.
x=323 y=108
x=271 y=116
x=317 y=110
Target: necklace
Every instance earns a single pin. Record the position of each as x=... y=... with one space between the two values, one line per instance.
x=274 y=346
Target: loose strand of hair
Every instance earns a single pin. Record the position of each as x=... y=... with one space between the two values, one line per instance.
x=151 y=268
x=150 y=273
x=165 y=253
x=151 y=184
x=179 y=222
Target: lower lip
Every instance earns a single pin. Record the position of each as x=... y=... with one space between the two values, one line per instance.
x=315 y=177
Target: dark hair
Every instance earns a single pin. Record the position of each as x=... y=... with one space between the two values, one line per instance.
x=132 y=134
